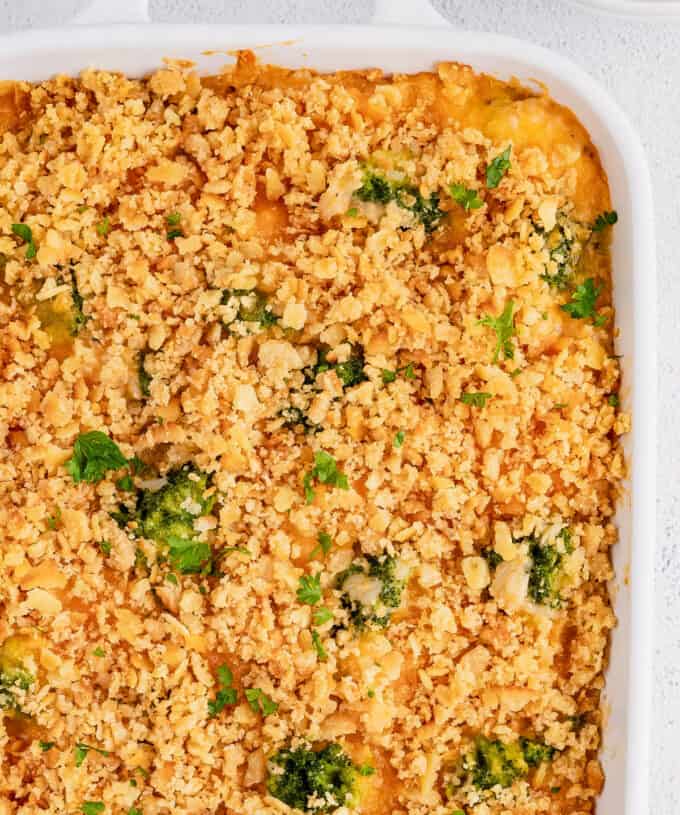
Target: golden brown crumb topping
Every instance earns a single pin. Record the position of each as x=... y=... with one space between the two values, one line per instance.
x=309 y=443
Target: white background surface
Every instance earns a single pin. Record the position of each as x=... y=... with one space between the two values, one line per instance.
x=639 y=63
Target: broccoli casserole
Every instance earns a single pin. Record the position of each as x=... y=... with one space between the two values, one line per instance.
x=310 y=419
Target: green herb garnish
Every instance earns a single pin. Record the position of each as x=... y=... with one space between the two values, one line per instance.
x=81 y=751
x=23 y=231
x=475 y=399
x=582 y=303
x=467 y=198
x=497 y=169
x=309 y=589
x=325 y=471
x=259 y=701
x=94 y=453
x=504 y=326
x=226 y=695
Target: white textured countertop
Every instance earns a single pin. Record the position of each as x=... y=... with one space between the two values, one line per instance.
x=640 y=65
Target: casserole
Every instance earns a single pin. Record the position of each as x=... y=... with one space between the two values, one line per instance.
x=136 y=50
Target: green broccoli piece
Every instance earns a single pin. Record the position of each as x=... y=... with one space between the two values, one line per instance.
x=377 y=189
x=350 y=372
x=62 y=317
x=492 y=558
x=535 y=752
x=493 y=763
x=143 y=376
x=296 y=419
x=252 y=306
x=427 y=210
x=545 y=576
x=171 y=510
x=313 y=780
x=565 y=243
x=167 y=517
x=13 y=671
x=363 y=579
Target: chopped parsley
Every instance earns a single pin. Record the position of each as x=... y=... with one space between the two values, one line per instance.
x=226 y=695
x=171 y=577
x=134 y=811
x=366 y=769
x=325 y=544
x=399 y=439
x=322 y=615
x=605 y=219
x=173 y=219
x=23 y=231
x=93 y=454
x=407 y=371
x=104 y=548
x=497 y=169
x=309 y=589
x=104 y=227
x=46 y=745
x=325 y=471
x=467 y=198
x=125 y=483
x=259 y=701
x=613 y=399
x=582 y=303
x=81 y=751
x=92 y=807
x=504 y=326
x=174 y=233
x=99 y=652
x=54 y=520
x=318 y=647
x=475 y=399
x=188 y=556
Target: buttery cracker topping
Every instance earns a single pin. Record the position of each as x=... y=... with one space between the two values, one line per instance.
x=309 y=450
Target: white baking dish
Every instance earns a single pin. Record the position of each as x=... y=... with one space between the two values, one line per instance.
x=138 y=48
x=651 y=9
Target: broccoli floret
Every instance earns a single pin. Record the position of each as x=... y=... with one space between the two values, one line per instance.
x=427 y=210
x=297 y=420
x=380 y=190
x=371 y=591
x=565 y=243
x=492 y=558
x=252 y=306
x=493 y=763
x=375 y=188
x=313 y=780
x=78 y=318
x=14 y=675
x=545 y=576
x=535 y=752
x=350 y=372
x=62 y=316
x=167 y=517
x=143 y=376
